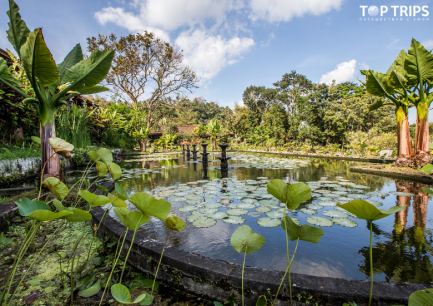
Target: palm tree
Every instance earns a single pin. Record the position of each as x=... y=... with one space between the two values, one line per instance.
x=392 y=87
x=213 y=128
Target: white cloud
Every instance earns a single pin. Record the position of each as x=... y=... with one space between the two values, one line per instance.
x=207 y=54
x=129 y=21
x=428 y=44
x=363 y=66
x=168 y=15
x=284 y=10
x=343 y=73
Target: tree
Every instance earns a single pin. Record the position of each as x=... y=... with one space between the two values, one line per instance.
x=213 y=128
x=390 y=87
x=52 y=84
x=293 y=85
x=144 y=61
x=418 y=66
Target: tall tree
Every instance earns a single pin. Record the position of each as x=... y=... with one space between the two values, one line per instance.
x=293 y=85
x=145 y=63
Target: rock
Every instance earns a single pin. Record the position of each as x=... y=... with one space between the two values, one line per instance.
x=386 y=153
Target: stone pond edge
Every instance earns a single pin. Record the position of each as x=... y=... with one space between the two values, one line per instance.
x=215 y=279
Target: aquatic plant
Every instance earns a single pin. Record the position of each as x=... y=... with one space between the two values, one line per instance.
x=292 y=196
x=366 y=211
x=244 y=240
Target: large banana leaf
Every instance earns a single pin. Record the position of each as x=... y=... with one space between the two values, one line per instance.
x=74 y=56
x=377 y=84
x=5 y=74
x=18 y=31
x=419 y=64
x=376 y=105
x=397 y=81
x=89 y=72
x=38 y=61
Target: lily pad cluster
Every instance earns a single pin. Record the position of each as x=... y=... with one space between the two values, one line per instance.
x=232 y=201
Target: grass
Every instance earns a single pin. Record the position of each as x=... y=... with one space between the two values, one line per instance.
x=14 y=152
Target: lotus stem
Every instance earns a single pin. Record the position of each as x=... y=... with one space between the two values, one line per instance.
x=290 y=282
x=243 y=267
x=371 y=263
x=114 y=266
x=96 y=232
x=159 y=263
x=129 y=250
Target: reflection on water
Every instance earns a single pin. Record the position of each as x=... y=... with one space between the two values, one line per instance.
x=402 y=243
x=405 y=253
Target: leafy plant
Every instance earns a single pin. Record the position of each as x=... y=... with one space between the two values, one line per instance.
x=292 y=196
x=366 y=211
x=52 y=84
x=244 y=240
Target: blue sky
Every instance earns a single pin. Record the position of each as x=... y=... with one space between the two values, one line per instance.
x=238 y=43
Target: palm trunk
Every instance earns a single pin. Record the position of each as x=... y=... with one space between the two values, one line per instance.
x=50 y=160
x=214 y=143
x=142 y=146
x=422 y=139
x=403 y=135
x=145 y=144
x=422 y=132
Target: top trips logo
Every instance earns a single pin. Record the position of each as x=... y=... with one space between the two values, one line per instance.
x=396 y=13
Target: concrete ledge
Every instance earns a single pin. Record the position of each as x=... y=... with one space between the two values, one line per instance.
x=382 y=171
x=360 y=159
x=216 y=279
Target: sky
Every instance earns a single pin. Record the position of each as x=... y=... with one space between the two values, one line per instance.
x=238 y=43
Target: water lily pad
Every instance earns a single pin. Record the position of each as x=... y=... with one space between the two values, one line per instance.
x=204 y=222
x=404 y=194
x=327 y=203
x=237 y=212
x=358 y=196
x=193 y=201
x=275 y=214
x=319 y=221
x=178 y=199
x=209 y=211
x=268 y=222
x=334 y=214
x=218 y=215
x=246 y=206
x=263 y=209
x=187 y=208
x=254 y=214
x=212 y=205
x=314 y=206
x=308 y=211
x=249 y=201
x=344 y=222
x=225 y=201
x=234 y=220
x=375 y=203
x=193 y=218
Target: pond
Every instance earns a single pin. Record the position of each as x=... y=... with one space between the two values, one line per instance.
x=213 y=207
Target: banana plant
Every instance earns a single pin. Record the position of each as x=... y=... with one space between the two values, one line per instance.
x=213 y=128
x=141 y=135
x=392 y=87
x=419 y=69
x=52 y=84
